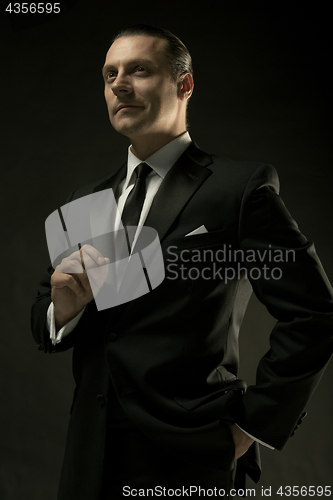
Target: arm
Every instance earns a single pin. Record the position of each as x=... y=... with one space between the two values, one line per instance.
x=300 y=298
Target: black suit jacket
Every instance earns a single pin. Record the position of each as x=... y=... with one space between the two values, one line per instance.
x=172 y=354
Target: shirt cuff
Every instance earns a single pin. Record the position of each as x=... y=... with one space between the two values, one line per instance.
x=256 y=439
x=65 y=330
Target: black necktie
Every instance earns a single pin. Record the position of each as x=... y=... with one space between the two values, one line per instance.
x=134 y=203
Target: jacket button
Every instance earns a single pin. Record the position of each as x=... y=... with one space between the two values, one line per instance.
x=101 y=399
x=111 y=336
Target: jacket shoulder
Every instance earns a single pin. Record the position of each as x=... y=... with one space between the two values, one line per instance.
x=238 y=175
x=238 y=170
x=240 y=167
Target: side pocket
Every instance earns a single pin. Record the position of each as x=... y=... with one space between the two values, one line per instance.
x=218 y=399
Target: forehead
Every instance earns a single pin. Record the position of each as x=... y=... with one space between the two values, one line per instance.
x=137 y=47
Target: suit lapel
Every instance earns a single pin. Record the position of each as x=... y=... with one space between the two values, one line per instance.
x=179 y=185
x=113 y=181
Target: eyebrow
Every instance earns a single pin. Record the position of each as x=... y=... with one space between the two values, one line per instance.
x=132 y=62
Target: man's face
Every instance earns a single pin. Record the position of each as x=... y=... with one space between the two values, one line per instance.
x=140 y=93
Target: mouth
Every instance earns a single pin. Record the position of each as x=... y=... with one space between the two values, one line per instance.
x=126 y=107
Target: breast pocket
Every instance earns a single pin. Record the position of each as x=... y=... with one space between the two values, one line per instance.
x=211 y=238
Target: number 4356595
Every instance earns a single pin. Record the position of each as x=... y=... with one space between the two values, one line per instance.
x=33 y=8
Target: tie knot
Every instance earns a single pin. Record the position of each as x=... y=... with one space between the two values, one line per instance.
x=142 y=170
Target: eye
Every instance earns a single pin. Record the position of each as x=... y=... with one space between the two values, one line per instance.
x=109 y=75
x=140 y=69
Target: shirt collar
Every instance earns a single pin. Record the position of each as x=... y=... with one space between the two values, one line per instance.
x=162 y=160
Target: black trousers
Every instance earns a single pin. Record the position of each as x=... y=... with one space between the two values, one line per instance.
x=134 y=463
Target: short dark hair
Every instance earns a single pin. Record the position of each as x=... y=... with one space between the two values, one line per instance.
x=177 y=53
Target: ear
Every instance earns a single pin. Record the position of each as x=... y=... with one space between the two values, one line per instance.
x=185 y=86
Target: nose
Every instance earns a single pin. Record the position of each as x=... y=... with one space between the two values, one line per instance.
x=121 y=85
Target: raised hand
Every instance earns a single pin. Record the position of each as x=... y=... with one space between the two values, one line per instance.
x=71 y=289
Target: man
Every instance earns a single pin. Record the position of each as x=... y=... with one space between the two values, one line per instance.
x=158 y=401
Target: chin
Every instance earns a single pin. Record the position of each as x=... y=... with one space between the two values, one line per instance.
x=129 y=129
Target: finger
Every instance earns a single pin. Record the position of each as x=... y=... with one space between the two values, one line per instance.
x=87 y=257
x=94 y=255
x=97 y=277
x=74 y=256
x=75 y=269
x=70 y=265
x=62 y=280
x=83 y=279
x=88 y=262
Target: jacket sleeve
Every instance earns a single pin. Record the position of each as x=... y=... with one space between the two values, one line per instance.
x=39 y=328
x=39 y=309
x=294 y=288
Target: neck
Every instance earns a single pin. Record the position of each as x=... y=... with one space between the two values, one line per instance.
x=145 y=146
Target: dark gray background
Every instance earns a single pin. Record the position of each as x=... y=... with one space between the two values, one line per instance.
x=262 y=92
